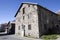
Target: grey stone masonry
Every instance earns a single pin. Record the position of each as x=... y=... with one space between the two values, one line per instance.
x=34 y=20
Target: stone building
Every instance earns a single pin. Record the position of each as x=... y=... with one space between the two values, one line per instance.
x=11 y=27
x=3 y=27
x=58 y=12
x=34 y=20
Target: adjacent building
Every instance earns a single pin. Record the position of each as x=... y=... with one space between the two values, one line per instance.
x=11 y=27
x=3 y=27
x=35 y=20
x=58 y=17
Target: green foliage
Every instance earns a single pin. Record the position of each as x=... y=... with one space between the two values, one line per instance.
x=49 y=37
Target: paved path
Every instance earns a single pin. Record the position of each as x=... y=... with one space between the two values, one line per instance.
x=8 y=37
x=24 y=38
x=4 y=36
x=14 y=37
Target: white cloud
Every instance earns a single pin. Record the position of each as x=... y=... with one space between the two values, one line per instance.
x=57 y=11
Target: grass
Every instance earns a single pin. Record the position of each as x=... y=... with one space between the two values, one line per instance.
x=49 y=37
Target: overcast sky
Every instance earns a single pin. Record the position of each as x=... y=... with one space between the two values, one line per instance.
x=8 y=8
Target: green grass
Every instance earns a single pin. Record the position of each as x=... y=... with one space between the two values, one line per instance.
x=49 y=37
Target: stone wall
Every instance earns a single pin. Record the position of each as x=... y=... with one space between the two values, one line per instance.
x=42 y=21
x=47 y=21
x=30 y=11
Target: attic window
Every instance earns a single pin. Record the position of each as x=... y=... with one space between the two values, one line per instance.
x=29 y=5
x=23 y=10
x=23 y=27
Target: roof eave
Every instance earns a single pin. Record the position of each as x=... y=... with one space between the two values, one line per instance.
x=18 y=10
x=21 y=6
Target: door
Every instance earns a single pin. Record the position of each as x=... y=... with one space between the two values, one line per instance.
x=23 y=28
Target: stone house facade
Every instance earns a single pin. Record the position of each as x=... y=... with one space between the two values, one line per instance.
x=34 y=20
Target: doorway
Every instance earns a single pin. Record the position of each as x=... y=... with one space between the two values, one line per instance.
x=23 y=28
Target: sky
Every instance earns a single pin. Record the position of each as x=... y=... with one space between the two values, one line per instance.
x=8 y=8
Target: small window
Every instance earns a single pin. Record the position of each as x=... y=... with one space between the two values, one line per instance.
x=23 y=17
x=45 y=26
x=23 y=27
x=29 y=5
x=23 y=10
x=29 y=27
x=19 y=27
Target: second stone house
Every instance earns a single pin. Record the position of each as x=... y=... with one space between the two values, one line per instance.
x=34 y=20
x=11 y=27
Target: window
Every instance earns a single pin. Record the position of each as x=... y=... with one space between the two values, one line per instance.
x=19 y=27
x=23 y=27
x=29 y=27
x=29 y=5
x=23 y=10
x=45 y=26
x=23 y=17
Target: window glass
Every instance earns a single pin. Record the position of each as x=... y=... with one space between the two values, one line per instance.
x=23 y=10
x=29 y=27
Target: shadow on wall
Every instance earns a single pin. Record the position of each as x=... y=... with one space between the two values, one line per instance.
x=53 y=30
x=5 y=34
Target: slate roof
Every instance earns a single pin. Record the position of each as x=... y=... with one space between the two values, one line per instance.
x=32 y=4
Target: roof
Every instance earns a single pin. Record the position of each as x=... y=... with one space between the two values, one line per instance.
x=22 y=4
x=47 y=9
x=11 y=22
x=32 y=4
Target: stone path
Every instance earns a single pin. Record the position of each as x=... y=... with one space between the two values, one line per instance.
x=24 y=38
